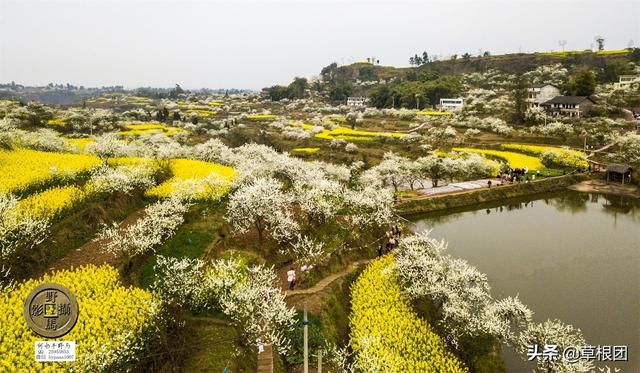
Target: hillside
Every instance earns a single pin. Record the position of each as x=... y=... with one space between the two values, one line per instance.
x=606 y=63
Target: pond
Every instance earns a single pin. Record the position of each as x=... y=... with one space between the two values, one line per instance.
x=569 y=255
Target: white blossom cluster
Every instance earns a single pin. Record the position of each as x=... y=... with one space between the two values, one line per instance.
x=264 y=205
x=41 y=139
x=179 y=281
x=124 y=178
x=628 y=149
x=462 y=296
x=160 y=222
x=559 y=129
x=554 y=74
x=255 y=303
x=110 y=146
x=396 y=171
x=18 y=234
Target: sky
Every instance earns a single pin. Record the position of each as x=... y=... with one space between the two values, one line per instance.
x=253 y=44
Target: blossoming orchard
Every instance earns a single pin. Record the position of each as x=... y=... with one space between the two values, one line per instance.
x=204 y=231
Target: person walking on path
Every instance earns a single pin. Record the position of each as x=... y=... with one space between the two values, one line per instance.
x=392 y=243
x=379 y=250
x=291 y=278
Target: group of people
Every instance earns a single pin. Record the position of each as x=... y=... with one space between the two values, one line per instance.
x=517 y=175
x=389 y=241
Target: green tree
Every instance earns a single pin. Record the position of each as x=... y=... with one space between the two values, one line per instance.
x=582 y=83
x=278 y=92
x=298 y=87
x=519 y=98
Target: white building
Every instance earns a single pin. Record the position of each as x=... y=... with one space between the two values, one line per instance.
x=451 y=104
x=357 y=101
x=540 y=93
x=625 y=81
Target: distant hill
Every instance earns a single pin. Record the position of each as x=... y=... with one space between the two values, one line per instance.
x=603 y=62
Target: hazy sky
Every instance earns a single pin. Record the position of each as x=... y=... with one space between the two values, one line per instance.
x=252 y=44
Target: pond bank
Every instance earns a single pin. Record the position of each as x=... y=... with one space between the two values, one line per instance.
x=601 y=186
x=473 y=197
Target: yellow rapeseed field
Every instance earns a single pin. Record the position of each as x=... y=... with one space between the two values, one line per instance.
x=348 y=134
x=52 y=202
x=562 y=157
x=137 y=129
x=306 y=150
x=515 y=160
x=433 y=113
x=262 y=116
x=186 y=171
x=112 y=320
x=22 y=169
x=386 y=334
x=81 y=143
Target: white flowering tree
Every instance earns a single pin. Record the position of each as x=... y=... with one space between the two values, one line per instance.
x=308 y=250
x=252 y=299
x=555 y=333
x=393 y=169
x=432 y=167
x=628 y=149
x=161 y=148
x=179 y=281
x=160 y=222
x=263 y=205
x=109 y=146
x=18 y=234
x=123 y=178
x=369 y=207
x=466 y=309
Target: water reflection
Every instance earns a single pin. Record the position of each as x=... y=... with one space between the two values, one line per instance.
x=569 y=255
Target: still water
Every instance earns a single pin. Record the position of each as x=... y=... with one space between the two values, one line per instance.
x=570 y=256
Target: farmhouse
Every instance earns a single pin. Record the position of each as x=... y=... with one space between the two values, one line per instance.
x=570 y=106
x=357 y=101
x=625 y=81
x=537 y=94
x=451 y=104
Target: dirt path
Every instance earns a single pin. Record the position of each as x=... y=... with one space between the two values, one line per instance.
x=91 y=252
x=265 y=360
x=325 y=281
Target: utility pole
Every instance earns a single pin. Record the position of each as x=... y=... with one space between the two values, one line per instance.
x=305 y=322
x=319 y=361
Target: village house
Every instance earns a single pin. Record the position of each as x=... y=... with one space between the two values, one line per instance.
x=357 y=101
x=537 y=94
x=451 y=104
x=625 y=81
x=569 y=106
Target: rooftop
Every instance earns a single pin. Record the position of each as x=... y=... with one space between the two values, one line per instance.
x=571 y=100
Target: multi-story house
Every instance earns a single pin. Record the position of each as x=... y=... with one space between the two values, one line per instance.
x=570 y=106
x=540 y=93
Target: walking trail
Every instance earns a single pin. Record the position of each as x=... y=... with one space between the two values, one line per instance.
x=91 y=252
x=325 y=281
x=265 y=360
